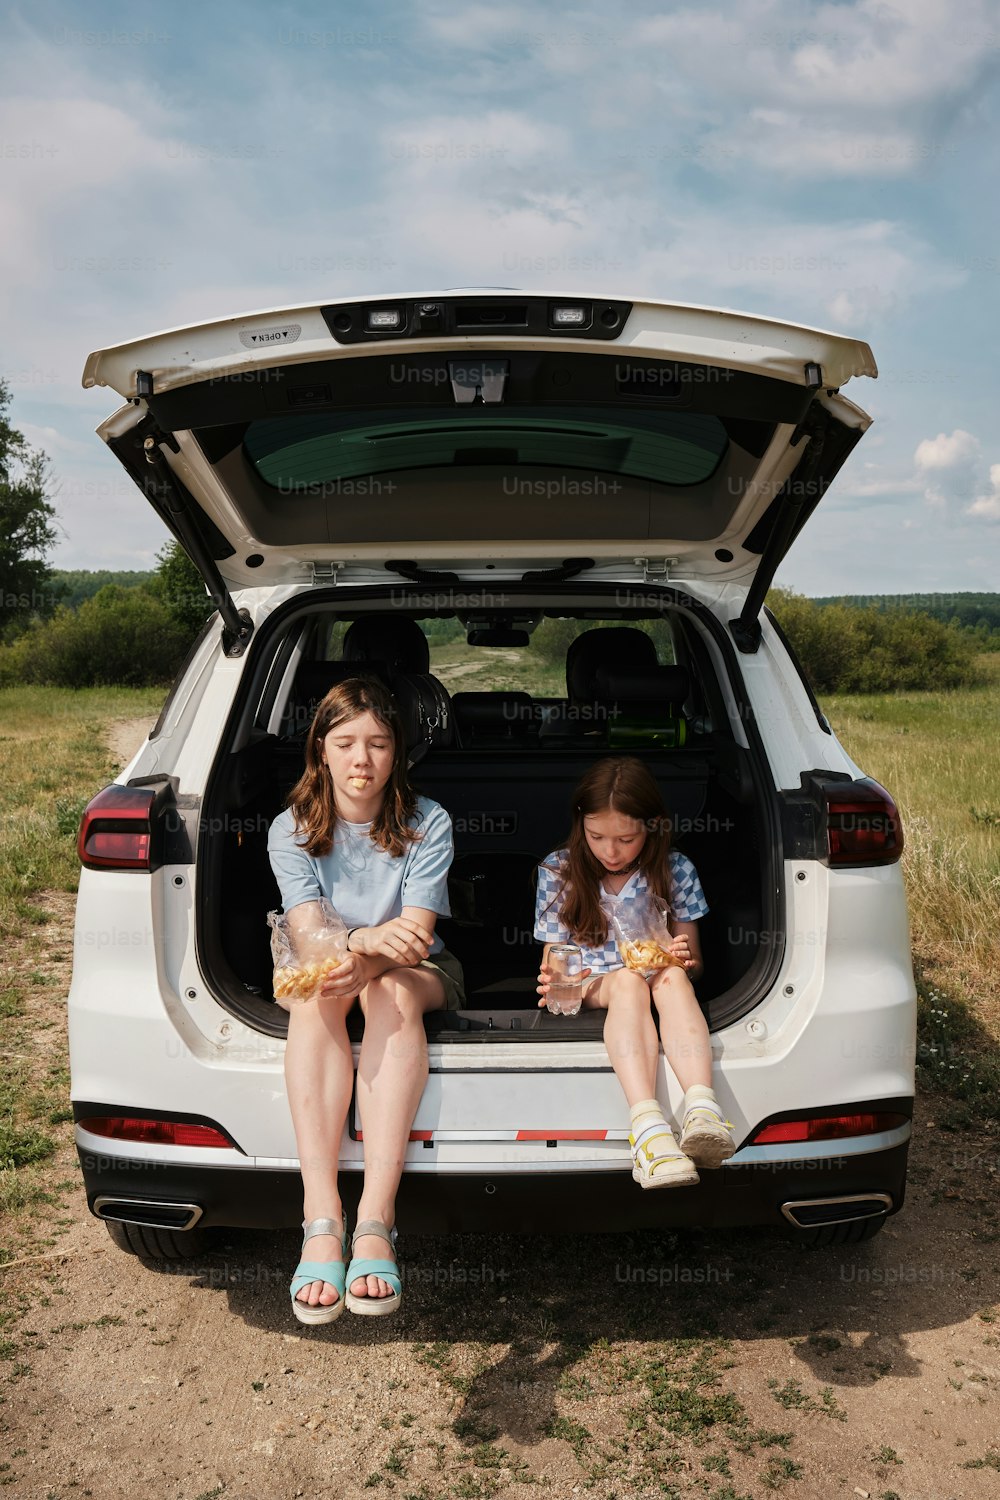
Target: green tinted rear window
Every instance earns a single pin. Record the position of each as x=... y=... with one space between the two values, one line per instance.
x=303 y=452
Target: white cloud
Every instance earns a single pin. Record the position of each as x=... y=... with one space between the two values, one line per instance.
x=872 y=488
x=949 y=450
x=55 y=442
x=874 y=89
x=61 y=155
x=951 y=470
x=852 y=90
x=477 y=26
x=987 y=505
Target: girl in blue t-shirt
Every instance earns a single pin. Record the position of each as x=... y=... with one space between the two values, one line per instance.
x=355 y=832
x=619 y=849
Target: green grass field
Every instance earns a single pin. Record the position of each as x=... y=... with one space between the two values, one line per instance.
x=53 y=758
x=936 y=753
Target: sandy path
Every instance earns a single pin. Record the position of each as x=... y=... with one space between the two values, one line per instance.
x=125 y=736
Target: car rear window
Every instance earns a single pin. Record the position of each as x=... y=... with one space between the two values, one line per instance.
x=311 y=451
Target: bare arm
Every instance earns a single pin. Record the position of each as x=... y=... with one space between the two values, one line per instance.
x=402 y=942
x=686 y=945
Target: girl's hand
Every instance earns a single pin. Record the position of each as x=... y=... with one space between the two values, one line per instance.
x=681 y=950
x=545 y=978
x=402 y=939
x=346 y=980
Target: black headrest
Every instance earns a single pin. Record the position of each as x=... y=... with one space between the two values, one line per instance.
x=630 y=691
x=392 y=639
x=611 y=647
x=503 y=715
x=313 y=680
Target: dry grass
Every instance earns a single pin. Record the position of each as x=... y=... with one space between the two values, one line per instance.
x=53 y=758
x=936 y=753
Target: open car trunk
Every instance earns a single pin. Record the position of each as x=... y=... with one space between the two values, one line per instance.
x=443 y=431
x=504 y=766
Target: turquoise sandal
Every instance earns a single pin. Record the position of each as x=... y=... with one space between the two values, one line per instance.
x=387 y=1270
x=332 y=1271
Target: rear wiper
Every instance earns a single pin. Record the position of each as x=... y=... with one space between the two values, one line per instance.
x=568 y=568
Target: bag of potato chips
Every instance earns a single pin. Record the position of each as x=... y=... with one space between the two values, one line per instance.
x=642 y=929
x=305 y=951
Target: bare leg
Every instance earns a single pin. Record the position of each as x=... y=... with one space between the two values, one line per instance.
x=319 y=1071
x=629 y=1033
x=683 y=1029
x=392 y=1075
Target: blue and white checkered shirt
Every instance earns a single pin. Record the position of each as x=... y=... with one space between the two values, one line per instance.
x=687 y=904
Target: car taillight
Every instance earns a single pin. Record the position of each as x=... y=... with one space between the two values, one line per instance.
x=116 y=830
x=155 y=1132
x=825 y=1128
x=863 y=826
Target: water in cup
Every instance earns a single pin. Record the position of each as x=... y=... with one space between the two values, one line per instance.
x=566 y=985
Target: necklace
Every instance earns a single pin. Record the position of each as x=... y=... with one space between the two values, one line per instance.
x=624 y=874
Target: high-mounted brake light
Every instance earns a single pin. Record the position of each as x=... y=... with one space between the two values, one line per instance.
x=862 y=823
x=155 y=1132
x=116 y=829
x=826 y=1128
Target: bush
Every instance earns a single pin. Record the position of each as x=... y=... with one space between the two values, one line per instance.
x=846 y=649
x=123 y=637
x=181 y=589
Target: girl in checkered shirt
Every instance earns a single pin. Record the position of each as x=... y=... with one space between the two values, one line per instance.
x=619 y=847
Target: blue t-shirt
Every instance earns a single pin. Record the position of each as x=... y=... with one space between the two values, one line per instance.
x=365 y=884
x=687 y=904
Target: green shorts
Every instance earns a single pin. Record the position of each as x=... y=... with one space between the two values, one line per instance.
x=449 y=970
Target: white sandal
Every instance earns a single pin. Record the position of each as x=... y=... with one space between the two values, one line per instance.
x=658 y=1161
x=706 y=1137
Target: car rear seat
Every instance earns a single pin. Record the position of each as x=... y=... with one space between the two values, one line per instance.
x=584 y=717
x=487 y=720
x=394 y=649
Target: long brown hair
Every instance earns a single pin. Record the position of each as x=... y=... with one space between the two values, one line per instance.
x=312 y=799
x=620 y=784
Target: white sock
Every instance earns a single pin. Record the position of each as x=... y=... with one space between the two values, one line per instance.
x=703 y=1095
x=647 y=1118
x=646 y=1107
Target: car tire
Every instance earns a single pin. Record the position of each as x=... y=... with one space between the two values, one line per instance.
x=160 y=1244
x=839 y=1234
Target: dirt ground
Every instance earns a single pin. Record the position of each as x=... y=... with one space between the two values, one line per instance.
x=723 y=1365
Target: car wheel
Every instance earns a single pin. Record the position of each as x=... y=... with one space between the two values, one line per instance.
x=161 y=1244
x=839 y=1234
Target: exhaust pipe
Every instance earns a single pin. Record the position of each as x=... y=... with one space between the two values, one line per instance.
x=811 y=1213
x=153 y=1213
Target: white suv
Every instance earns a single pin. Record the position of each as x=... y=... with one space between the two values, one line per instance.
x=358 y=482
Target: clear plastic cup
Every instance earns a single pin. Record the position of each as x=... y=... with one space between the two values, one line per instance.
x=566 y=985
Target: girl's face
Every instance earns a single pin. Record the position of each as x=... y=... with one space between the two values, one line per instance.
x=359 y=754
x=613 y=838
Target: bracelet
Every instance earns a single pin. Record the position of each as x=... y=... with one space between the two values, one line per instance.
x=350 y=934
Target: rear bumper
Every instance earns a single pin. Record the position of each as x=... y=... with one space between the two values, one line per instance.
x=537 y=1202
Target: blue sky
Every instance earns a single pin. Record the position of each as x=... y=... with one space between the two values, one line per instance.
x=833 y=164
